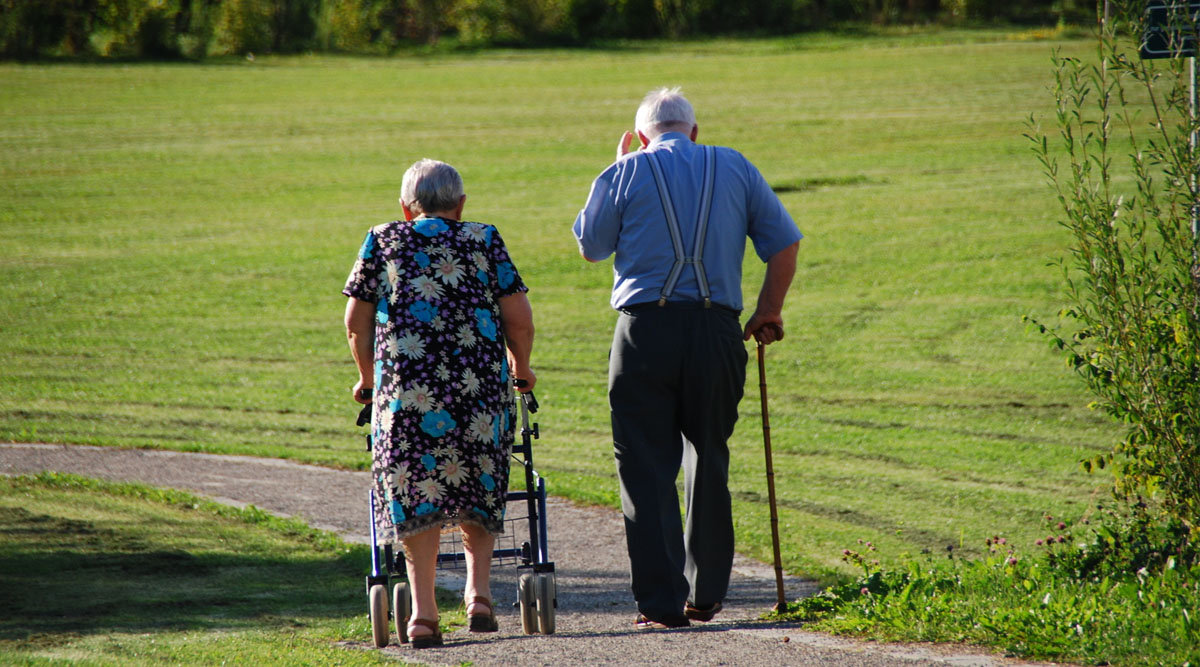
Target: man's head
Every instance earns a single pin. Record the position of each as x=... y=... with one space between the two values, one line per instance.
x=665 y=110
x=430 y=187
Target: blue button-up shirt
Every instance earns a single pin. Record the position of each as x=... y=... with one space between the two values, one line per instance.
x=624 y=217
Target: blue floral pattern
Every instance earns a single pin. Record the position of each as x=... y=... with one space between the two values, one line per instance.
x=443 y=417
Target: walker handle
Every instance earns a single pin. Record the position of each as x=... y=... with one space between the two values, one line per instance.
x=527 y=398
x=364 y=415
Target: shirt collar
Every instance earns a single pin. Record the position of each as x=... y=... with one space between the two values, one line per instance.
x=669 y=136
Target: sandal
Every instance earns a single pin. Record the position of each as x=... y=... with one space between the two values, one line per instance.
x=425 y=641
x=483 y=622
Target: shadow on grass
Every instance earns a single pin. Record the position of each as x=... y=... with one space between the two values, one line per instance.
x=65 y=576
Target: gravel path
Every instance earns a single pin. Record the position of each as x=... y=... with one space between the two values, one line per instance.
x=595 y=609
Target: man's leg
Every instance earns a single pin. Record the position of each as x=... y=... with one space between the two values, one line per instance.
x=643 y=378
x=713 y=386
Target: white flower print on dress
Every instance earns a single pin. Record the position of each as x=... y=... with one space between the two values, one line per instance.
x=481 y=427
x=385 y=419
x=418 y=397
x=475 y=232
x=453 y=471
x=449 y=271
x=470 y=382
x=427 y=287
x=393 y=345
x=398 y=476
x=412 y=345
x=431 y=489
x=443 y=373
x=393 y=275
x=466 y=336
x=487 y=465
x=480 y=260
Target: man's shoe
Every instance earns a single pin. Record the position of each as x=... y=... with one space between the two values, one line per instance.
x=669 y=623
x=702 y=614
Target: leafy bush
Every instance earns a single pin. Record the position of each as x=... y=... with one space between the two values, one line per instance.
x=243 y=26
x=1132 y=277
x=511 y=21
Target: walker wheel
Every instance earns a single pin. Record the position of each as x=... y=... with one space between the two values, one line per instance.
x=546 y=592
x=401 y=610
x=379 y=615
x=528 y=600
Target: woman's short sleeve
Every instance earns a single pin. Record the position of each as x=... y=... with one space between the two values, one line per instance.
x=508 y=280
x=363 y=283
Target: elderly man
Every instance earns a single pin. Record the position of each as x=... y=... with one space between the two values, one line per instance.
x=675 y=215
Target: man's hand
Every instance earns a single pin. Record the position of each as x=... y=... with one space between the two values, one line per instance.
x=765 y=329
x=623 y=146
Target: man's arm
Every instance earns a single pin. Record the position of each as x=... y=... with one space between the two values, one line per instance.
x=766 y=324
x=596 y=225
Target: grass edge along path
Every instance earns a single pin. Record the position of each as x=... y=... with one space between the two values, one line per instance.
x=124 y=573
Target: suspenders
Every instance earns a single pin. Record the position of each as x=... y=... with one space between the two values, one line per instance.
x=697 y=257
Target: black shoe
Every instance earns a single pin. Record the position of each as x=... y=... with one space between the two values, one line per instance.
x=666 y=623
x=702 y=614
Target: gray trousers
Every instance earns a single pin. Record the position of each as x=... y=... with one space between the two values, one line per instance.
x=676 y=375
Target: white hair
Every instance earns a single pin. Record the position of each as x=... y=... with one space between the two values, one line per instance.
x=664 y=110
x=430 y=186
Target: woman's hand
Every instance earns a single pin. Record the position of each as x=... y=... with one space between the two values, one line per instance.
x=527 y=376
x=363 y=394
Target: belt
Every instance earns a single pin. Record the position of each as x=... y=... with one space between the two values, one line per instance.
x=630 y=309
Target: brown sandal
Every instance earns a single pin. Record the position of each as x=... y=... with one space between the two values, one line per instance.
x=425 y=641
x=483 y=622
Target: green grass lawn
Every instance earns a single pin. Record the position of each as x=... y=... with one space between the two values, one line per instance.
x=120 y=574
x=174 y=239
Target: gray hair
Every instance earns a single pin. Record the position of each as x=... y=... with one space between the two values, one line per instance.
x=430 y=186
x=664 y=110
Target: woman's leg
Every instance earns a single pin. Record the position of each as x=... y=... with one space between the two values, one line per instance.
x=478 y=544
x=420 y=559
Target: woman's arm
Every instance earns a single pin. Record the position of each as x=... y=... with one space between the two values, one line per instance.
x=516 y=317
x=360 y=330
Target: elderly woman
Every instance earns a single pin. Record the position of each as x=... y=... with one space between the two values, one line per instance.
x=435 y=307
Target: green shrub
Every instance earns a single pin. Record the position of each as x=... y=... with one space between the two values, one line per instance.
x=31 y=28
x=243 y=26
x=511 y=21
x=1132 y=325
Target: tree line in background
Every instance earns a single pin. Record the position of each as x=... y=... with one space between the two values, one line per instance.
x=195 y=29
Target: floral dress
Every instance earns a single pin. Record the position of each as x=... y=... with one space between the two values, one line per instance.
x=443 y=409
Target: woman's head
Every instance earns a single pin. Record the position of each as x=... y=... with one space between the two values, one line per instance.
x=430 y=186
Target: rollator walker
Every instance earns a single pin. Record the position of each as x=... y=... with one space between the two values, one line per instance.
x=537 y=589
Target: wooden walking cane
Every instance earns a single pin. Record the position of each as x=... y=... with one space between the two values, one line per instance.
x=781 y=604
